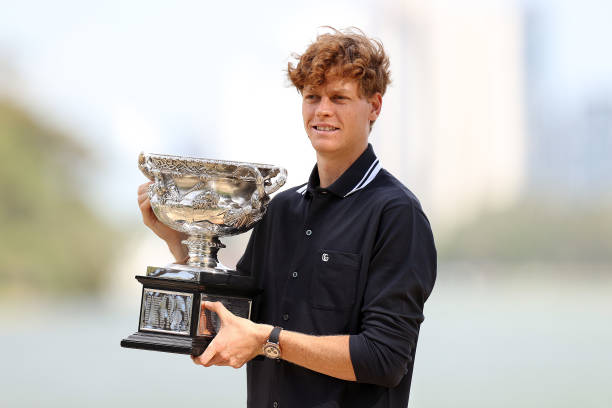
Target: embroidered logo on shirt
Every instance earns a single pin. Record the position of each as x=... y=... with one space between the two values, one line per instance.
x=325 y=257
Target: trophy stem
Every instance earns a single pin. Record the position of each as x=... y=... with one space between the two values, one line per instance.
x=203 y=252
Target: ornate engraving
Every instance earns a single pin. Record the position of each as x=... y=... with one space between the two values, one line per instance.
x=166 y=311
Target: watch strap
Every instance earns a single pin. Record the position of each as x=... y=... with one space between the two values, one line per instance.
x=274 y=335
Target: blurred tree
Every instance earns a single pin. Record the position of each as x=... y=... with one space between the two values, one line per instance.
x=535 y=231
x=50 y=241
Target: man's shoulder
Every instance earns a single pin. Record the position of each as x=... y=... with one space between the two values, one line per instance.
x=391 y=192
x=290 y=194
x=286 y=197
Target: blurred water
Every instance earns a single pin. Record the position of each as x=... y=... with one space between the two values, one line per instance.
x=529 y=337
x=69 y=355
x=535 y=336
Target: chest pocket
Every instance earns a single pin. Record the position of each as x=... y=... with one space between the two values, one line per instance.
x=335 y=280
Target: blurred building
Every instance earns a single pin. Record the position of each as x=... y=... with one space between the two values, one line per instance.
x=570 y=125
x=452 y=126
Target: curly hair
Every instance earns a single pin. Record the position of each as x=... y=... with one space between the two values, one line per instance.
x=347 y=54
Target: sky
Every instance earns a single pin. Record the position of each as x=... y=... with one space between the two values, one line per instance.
x=201 y=79
x=576 y=35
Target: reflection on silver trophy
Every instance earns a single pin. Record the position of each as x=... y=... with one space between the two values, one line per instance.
x=205 y=199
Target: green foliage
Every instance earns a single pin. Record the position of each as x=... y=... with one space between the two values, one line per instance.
x=50 y=241
x=535 y=231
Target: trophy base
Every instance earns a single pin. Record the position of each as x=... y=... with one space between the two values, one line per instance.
x=166 y=343
x=173 y=318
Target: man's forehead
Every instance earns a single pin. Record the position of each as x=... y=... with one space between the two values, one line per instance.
x=335 y=84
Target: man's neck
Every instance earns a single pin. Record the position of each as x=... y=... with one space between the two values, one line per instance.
x=331 y=166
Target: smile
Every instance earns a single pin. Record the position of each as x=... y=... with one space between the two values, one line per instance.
x=325 y=128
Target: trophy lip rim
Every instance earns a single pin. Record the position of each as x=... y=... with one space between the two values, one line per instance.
x=213 y=161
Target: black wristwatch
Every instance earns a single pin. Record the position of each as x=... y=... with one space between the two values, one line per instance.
x=272 y=349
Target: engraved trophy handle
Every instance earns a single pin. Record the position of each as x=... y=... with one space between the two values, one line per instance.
x=277 y=181
x=143 y=165
x=259 y=183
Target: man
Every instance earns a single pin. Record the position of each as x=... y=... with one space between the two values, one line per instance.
x=345 y=261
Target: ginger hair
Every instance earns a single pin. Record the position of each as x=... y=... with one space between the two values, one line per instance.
x=342 y=54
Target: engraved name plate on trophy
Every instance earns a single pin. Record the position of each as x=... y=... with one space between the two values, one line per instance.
x=205 y=199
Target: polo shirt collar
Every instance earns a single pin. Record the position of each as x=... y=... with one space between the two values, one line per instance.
x=357 y=176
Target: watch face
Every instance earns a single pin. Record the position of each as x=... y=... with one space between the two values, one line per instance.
x=271 y=350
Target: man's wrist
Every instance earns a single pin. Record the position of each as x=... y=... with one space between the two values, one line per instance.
x=262 y=333
x=180 y=252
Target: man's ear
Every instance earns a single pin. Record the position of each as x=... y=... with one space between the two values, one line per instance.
x=375 y=102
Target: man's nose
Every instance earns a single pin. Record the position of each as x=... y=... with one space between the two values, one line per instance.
x=324 y=107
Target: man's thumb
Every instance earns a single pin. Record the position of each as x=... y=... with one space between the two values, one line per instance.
x=216 y=307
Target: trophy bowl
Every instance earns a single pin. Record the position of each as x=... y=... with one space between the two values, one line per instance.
x=207 y=199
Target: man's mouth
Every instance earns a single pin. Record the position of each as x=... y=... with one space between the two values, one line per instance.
x=325 y=128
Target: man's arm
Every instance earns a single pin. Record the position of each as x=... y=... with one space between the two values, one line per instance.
x=401 y=277
x=328 y=355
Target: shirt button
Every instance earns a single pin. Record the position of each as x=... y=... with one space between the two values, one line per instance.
x=308 y=232
x=286 y=316
x=325 y=257
x=294 y=274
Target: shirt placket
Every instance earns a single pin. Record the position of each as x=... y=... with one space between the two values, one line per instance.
x=300 y=264
x=295 y=285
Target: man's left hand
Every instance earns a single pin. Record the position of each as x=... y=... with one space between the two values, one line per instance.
x=238 y=339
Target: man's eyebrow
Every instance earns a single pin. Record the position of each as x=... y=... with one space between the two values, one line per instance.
x=335 y=91
x=340 y=91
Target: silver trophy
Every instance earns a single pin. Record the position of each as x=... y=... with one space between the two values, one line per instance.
x=205 y=199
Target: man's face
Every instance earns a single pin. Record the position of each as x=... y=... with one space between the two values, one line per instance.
x=337 y=118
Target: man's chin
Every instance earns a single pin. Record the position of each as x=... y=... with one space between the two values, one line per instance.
x=324 y=147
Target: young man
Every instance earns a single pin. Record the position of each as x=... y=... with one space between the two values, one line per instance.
x=346 y=261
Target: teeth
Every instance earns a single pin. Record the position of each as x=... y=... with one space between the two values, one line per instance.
x=325 y=128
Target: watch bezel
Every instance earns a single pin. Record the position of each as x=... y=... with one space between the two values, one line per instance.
x=272 y=350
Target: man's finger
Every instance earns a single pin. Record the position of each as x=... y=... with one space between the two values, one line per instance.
x=218 y=308
x=143 y=188
x=208 y=354
x=144 y=203
x=148 y=216
x=216 y=361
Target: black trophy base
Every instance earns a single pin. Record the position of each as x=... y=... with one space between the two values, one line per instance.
x=166 y=343
x=172 y=315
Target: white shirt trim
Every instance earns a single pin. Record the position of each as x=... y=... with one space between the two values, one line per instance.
x=367 y=178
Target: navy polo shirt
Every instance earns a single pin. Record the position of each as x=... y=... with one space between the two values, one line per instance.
x=355 y=258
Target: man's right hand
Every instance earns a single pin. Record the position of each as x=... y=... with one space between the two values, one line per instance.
x=172 y=237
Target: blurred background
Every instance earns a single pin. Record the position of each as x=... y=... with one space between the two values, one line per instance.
x=499 y=119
